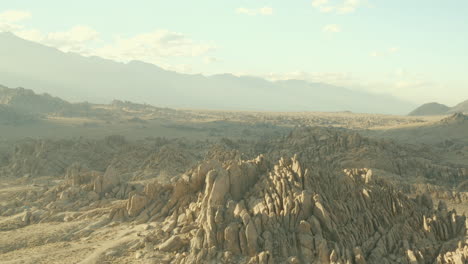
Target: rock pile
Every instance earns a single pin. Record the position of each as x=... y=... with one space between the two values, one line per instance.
x=250 y=212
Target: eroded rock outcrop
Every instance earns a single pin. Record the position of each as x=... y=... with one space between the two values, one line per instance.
x=253 y=212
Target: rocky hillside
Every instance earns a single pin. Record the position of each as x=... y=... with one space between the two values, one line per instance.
x=439 y=109
x=317 y=195
x=430 y=109
x=27 y=101
x=461 y=107
x=449 y=133
x=148 y=158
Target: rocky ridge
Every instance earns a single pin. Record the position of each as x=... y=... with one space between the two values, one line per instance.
x=289 y=213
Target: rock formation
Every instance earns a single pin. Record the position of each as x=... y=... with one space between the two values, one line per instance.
x=316 y=195
x=249 y=212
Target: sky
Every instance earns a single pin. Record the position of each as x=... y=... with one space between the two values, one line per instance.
x=413 y=49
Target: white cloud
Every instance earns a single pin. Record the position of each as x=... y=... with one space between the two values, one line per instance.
x=332 y=28
x=10 y=18
x=74 y=39
x=339 y=7
x=266 y=11
x=77 y=34
x=153 y=47
x=349 y=6
x=150 y=47
x=323 y=5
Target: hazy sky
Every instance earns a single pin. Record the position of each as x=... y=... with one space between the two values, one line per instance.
x=413 y=49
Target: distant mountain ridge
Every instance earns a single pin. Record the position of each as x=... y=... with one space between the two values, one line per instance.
x=76 y=78
x=439 y=109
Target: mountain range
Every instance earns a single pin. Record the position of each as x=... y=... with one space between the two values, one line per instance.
x=74 y=77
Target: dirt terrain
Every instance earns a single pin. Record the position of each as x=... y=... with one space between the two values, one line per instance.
x=131 y=183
